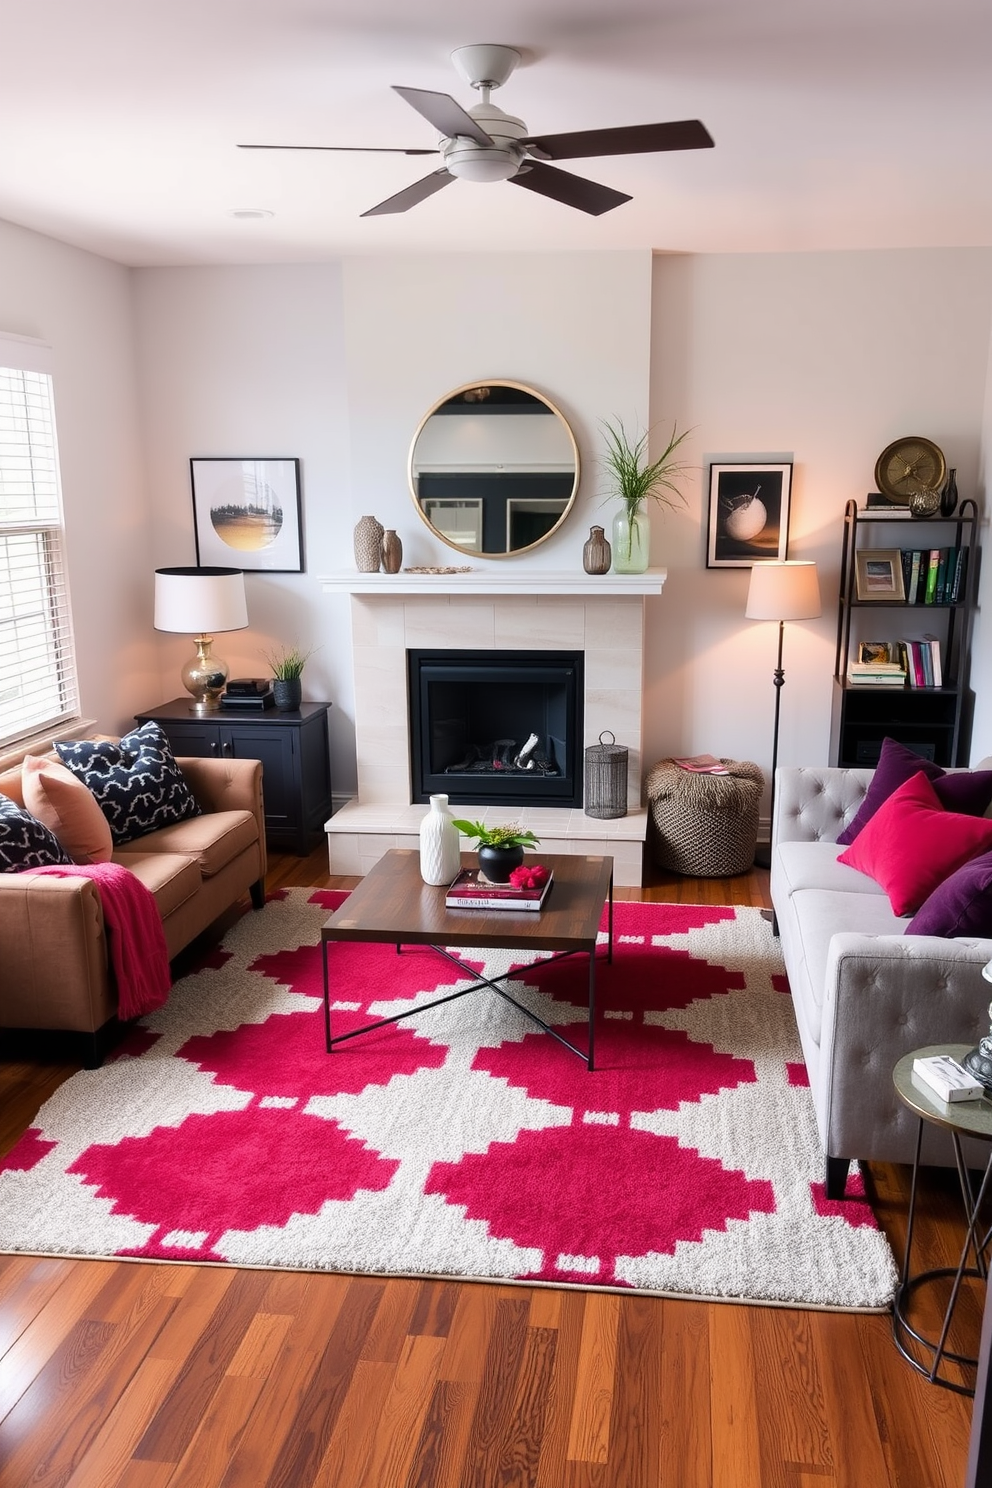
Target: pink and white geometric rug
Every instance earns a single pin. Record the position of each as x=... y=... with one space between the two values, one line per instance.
x=463 y=1141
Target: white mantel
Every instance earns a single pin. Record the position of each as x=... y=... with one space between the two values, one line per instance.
x=497 y=580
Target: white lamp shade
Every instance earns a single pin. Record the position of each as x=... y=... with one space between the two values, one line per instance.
x=787 y=590
x=200 y=601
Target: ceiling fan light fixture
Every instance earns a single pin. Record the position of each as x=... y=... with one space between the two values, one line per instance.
x=471 y=162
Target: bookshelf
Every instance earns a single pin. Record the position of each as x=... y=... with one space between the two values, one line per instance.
x=935 y=721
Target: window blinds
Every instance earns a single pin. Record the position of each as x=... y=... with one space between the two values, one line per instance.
x=37 y=664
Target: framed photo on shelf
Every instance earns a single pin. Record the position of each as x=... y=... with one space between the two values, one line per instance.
x=878 y=575
x=873 y=652
x=748 y=514
x=247 y=514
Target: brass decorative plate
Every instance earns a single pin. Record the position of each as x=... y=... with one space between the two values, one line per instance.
x=908 y=465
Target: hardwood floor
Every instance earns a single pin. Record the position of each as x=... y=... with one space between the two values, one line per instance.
x=128 y=1375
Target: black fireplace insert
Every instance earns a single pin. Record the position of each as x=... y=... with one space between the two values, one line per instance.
x=496 y=727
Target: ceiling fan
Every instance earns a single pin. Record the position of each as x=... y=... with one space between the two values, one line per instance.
x=485 y=144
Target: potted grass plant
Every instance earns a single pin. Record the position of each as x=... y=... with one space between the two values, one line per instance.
x=287 y=675
x=635 y=480
x=500 y=848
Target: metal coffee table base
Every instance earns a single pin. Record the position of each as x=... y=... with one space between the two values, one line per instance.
x=493 y=984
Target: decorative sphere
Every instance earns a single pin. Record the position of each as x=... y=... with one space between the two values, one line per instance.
x=747 y=520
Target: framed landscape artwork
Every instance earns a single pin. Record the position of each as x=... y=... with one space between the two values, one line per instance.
x=247 y=514
x=748 y=515
x=878 y=575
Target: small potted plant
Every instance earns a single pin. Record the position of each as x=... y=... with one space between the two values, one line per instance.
x=287 y=673
x=635 y=480
x=501 y=849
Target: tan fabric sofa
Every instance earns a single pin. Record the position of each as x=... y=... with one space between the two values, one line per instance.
x=54 y=967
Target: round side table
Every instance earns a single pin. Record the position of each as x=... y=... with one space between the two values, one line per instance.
x=971 y=1118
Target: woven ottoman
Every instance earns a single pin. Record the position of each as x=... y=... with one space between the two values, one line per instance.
x=705 y=825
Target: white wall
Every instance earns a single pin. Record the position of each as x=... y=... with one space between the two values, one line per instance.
x=81 y=306
x=823 y=358
x=250 y=362
x=981 y=662
x=337 y=364
x=574 y=326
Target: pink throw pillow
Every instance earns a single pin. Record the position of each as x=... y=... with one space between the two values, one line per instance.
x=912 y=844
x=62 y=803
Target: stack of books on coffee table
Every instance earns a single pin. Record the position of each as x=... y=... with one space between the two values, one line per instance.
x=471 y=889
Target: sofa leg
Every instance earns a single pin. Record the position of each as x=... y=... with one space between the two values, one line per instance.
x=257 y=892
x=836 y=1179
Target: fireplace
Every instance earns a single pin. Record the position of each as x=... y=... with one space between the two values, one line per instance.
x=499 y=608
x=496 y=727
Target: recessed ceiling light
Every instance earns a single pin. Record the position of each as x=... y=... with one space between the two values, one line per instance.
x=251 y=213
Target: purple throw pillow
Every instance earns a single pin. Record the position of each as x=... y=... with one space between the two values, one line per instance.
x=968 y=792
x=961 y=905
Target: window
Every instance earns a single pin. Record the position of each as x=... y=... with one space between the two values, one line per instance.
x=37 y=662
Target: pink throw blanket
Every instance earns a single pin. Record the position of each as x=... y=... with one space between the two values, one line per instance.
x=138 y=952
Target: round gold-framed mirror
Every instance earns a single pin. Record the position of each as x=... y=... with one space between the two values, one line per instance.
x=494 y=468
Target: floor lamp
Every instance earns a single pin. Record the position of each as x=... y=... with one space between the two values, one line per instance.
x=786 y=590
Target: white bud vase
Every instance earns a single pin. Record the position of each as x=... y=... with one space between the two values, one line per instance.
x=440 y=844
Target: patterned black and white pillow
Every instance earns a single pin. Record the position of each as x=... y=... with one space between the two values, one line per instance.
x=24 y=841
x=136 y=782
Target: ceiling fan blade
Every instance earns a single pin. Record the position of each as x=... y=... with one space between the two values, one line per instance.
x=359 y=149
x=633 y=139
x=572 y=191
x=411 y=195
x=445 y=113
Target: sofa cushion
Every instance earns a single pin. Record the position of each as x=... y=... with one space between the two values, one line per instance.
x=136 y=781
x=966 y=791
x=58 y=799
x=171 y=877
x=961 y=905
x=213 y=839
x=912 y=844
x=25 y=842
x=814 y=918
x=814 y=865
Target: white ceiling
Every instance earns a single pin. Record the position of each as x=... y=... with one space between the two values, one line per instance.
x=838 y=123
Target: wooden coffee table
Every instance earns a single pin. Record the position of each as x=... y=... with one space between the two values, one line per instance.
x=393 y=905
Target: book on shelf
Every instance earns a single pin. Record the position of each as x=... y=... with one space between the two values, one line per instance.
x=876 y=674
x=933 y=564
x=957 y=580
x=933 y=645
x=702 y=764
x=471 y=889
x=926 y=667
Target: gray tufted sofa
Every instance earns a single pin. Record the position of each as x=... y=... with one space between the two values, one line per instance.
x=864 y=993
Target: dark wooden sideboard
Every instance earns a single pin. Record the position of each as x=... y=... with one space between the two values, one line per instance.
x=293 y=748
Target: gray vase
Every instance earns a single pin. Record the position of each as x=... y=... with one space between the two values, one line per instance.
x=287 y=693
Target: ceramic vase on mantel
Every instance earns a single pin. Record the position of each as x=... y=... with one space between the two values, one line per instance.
x=440 y=844
x=368 y=545
x=392 y=552
x=596 y=553
x=631 y=541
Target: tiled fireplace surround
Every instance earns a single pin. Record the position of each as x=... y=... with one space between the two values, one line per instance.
x=525 y=610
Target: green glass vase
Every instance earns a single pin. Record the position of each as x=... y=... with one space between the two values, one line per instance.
x=631 y=542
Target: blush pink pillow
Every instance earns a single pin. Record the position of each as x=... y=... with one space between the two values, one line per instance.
x=912 y=844
x=62 y=803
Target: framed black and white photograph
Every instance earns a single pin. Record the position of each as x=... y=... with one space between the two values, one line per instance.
x=748 y=515
x=247 y=514
x=878 y=575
